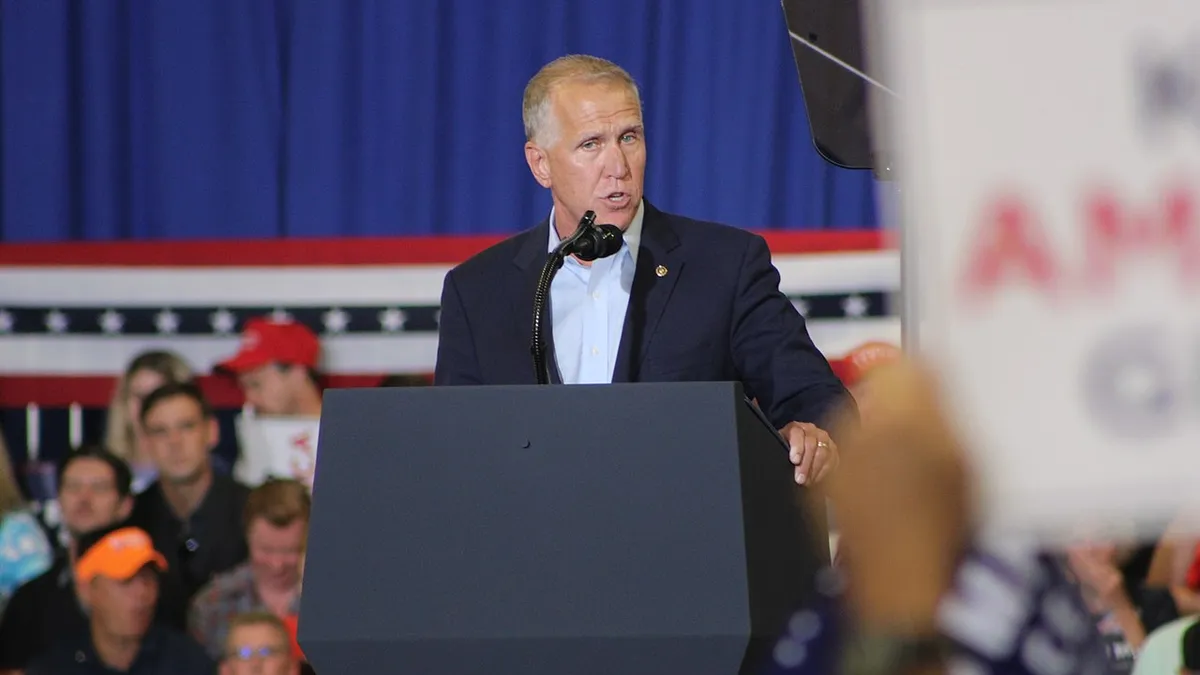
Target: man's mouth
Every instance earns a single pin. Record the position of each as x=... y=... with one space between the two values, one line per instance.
x=617 y=199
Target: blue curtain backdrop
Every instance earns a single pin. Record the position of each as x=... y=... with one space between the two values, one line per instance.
x=176 y=119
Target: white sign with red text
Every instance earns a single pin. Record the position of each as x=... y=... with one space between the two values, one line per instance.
x=276 y=447
x=1050 y=157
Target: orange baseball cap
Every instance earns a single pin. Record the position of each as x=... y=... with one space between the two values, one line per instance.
x=267 y=341
x=117 y=553
x=863 y=359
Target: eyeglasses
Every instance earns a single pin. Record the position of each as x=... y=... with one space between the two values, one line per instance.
x=251 y=653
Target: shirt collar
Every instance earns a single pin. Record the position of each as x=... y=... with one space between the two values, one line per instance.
x=633 y=233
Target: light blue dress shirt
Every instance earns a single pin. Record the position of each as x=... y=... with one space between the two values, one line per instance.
x=587 y=308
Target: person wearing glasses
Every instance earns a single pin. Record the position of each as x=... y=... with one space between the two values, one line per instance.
x=258 y=644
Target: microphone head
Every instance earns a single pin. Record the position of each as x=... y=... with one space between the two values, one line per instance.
x=600 y=241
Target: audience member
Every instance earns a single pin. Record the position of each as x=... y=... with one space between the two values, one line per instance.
x=117 y=576
x=93 y=493
x=124 y=434
x=257 y=644
x=276 y=520
x=192 y=513
x=1162 y=652
x=1096 y=568
x=1189 y=649
x=857 y=366
x=927 y=592
x=25 y=551
x=276 y=368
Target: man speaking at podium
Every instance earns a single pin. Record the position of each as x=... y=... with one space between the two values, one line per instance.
x=682 y=300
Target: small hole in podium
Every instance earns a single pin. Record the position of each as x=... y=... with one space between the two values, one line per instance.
x=812 y=37
x=525 y=445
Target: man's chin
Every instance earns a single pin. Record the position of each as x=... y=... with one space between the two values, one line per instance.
x=620 y=216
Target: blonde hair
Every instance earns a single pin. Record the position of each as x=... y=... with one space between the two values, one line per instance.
x=535 y=107
x=119 y=434
x=259 y=618
x=11 y=498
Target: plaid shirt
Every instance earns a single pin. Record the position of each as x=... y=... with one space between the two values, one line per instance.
x=215 y=605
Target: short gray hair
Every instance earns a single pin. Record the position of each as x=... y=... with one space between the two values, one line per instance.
x=535 y=109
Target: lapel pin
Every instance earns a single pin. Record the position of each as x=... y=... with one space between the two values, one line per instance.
x=660 y=271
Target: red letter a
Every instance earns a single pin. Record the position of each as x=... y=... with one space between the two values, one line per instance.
x=1009 y=242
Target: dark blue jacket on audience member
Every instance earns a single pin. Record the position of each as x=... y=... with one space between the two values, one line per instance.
x=164 y=652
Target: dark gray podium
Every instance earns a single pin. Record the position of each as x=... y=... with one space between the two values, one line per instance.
x=629 y=529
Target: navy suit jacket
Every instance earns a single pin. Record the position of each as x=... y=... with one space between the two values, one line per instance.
x=716 y=315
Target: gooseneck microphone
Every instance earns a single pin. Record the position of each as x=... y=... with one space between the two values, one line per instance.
x=589 y=242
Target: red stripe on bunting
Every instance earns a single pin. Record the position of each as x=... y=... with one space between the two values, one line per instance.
x=348 y=251
x=60 y=391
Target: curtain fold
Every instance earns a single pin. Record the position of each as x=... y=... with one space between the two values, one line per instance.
x=177 y=119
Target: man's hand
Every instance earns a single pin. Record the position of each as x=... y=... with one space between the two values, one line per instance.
x=813 y=452
x=903 y=500
x=1096 y=571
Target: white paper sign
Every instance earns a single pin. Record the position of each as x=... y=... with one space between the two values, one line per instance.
x=283 y=447
x=1050 y=156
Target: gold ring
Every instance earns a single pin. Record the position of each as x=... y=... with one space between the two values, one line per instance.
x=822 y=444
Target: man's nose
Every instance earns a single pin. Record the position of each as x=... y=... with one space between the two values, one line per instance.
x=616 y=164
x=145 y=587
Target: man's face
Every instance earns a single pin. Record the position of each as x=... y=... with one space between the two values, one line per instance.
x=123 y=609
x=180 y=438
x=595 y=155
x=276 y=552
x=258 y=649
x=271 y=388
x=89 y=498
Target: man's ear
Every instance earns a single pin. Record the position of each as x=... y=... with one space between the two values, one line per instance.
x=125 y=507
x=539 y=163
x=214 y=433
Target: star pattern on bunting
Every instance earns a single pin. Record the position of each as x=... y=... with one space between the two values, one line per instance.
x=855 y=306
x=167 y=322
x=223 y=321
x=57 y=321
x=335 y=320
x=111 y=322
x=116 y=320
x=392 y=320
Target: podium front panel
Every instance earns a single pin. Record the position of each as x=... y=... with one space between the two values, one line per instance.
x=597 y=529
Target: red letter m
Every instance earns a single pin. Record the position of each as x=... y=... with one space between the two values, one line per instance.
x=1114 y=233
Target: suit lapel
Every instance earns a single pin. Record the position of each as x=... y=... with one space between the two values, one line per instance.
x=530 y=259
x=659 y=264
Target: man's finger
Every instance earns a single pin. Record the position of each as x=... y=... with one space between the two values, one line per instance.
x=829 y=460
x=804 y=470
x=795 y=440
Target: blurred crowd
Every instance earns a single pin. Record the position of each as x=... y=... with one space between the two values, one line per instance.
x=166 y=559
x=169 y=560
x=916 y=560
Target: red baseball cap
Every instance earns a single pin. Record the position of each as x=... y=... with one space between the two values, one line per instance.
x=266 y=341
x=863 y=359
